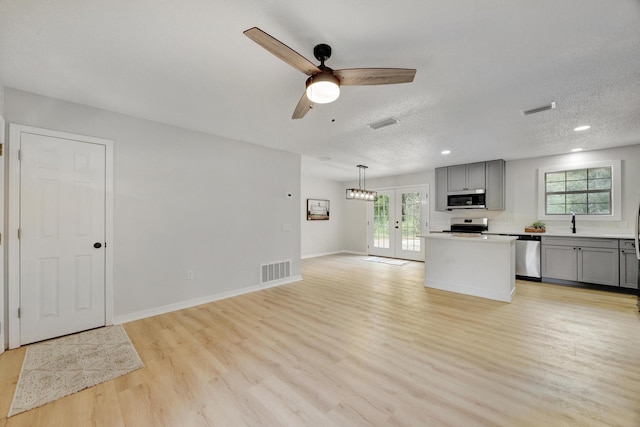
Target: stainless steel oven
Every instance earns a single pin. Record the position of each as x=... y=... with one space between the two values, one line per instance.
x=468 y=225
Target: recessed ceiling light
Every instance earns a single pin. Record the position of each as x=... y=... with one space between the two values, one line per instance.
x=581 y=128
x=575 y=150
x=445 y=152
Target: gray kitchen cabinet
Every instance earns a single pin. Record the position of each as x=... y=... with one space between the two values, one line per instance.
x=598 y=265
x=466 y=177
x=559 y=262
x=588 y=260
x=489 y=176
x=441 y=188
x=495 y=182
x=628 y=265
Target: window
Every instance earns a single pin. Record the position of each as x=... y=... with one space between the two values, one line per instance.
x=591 y=190
x=579 y=191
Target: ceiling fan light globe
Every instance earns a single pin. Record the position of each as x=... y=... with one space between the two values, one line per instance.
x=323 y=87
x=323 y=92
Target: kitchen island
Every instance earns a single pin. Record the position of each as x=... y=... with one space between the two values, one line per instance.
x=478 y=265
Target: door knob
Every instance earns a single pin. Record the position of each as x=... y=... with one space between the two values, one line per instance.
x=97 y=245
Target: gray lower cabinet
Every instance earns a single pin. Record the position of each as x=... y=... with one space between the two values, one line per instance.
x=559 y=262
x=585 y=260
x=598 y=265
x=628 y=265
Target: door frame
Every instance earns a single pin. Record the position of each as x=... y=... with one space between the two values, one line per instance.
x=426 y=207
x=3 y=239
x=13 y=221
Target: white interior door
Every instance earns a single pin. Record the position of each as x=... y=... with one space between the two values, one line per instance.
x=62 y=236
x=397 y=219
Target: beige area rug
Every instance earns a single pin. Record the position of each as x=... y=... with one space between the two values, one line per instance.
x=63 y=366
x=385 y=260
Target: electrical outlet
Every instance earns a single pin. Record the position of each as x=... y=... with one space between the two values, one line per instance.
x=190 y=274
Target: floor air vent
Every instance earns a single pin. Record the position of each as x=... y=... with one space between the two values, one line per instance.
x=275 y=271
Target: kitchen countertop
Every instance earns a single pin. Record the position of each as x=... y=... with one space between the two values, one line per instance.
x=578 y=234
x=474 y=238
x=588 y=234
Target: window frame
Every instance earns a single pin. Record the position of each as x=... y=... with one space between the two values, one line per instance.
x=616 y=191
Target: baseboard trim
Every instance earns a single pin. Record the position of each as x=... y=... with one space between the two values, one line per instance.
x=321 y=254
x=355 y=253
x=143 y=314
x=332 y=253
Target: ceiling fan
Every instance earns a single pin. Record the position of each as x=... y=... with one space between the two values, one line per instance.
x=323 y=84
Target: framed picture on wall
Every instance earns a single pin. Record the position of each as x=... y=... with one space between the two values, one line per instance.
x=317 y=209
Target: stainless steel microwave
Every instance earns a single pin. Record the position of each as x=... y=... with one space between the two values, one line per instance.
x=466 y=200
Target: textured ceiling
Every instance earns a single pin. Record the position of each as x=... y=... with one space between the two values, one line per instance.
x=479 y=65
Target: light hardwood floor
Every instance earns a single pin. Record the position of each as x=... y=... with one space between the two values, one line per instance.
x=359 y=343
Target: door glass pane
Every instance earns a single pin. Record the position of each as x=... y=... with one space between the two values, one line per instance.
x=381 y=221
x=410 y=229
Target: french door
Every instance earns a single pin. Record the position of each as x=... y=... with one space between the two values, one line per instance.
x=397 y=220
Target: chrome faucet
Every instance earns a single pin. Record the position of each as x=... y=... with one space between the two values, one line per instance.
x=573 y=223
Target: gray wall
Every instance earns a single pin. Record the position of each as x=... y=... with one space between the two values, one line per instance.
x=183 y=200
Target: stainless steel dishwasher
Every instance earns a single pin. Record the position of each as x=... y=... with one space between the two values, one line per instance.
x=528 y=257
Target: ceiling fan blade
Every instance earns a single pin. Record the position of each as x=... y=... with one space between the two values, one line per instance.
x=303 y=107
x=374 y=76
x=282 y=51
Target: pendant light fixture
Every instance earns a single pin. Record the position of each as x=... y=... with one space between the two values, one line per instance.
x=361 y=193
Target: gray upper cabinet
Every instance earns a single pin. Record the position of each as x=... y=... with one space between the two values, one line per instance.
x=466 y=177
x=495 y=185
x=441 y=189
x=488 y=176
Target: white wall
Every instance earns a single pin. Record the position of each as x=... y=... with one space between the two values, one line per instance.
x=1 y=100
x=183 y=200
x=322 y=237
x=356 y=225
x=522 y=190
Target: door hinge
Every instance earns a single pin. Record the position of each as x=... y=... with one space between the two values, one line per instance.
x=18 y=233
x=19 y=313
x=19 y=154
x=1 y=149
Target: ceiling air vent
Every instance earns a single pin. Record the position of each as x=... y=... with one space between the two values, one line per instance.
x=540 y=109
x=383 y=123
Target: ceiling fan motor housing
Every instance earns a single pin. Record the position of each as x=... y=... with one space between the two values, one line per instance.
x=322 y=52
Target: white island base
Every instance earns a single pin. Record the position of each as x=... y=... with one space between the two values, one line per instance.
x=482 y=266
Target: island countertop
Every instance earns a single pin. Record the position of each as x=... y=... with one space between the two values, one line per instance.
x=473 y=238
